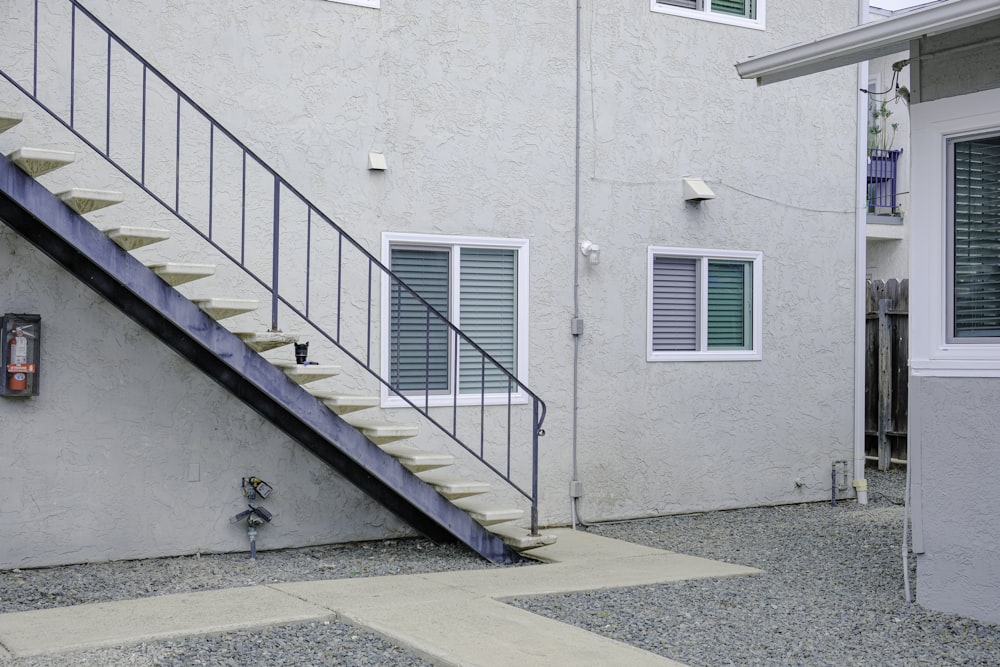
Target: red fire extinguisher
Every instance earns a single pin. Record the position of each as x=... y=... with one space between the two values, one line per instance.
x=17 y=363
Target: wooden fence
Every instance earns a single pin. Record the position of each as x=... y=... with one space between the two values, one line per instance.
x=886 y=352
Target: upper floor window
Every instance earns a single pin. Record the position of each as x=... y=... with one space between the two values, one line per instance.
x=704 y=305
x=374 y=4
x=748 y=13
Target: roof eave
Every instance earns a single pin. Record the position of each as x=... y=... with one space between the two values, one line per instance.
x=867 y=41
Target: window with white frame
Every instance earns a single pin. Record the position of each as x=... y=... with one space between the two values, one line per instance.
x=480 y=284
x=974 y=239
x=374 y=4
x=955 y=238
x=704 y=305
x=748 y=13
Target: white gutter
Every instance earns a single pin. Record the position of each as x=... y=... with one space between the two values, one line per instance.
x=867 y=41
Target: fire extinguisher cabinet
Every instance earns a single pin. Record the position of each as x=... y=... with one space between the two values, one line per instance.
x=22 y=337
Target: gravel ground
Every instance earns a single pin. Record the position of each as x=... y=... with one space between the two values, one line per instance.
x=831 y=594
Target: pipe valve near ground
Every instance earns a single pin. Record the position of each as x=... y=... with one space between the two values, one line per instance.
x=254 y=515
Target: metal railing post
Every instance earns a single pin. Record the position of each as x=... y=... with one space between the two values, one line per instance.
x=535 y=432
x=274 y=253
x=234 y=209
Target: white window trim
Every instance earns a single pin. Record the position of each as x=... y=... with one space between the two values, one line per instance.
x=389 y=399
x=374 y=4
x=933 y=125
x=709 y=15
x=757 y=336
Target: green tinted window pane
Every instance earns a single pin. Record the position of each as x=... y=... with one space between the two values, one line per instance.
x=745 y=8
x=729 y=316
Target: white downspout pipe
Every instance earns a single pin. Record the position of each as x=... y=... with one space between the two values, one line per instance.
x=574 y=499
x=860 y=261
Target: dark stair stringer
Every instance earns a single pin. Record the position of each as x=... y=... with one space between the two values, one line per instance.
x=83 y=250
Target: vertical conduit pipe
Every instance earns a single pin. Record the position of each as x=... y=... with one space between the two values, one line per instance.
x=574 y=500
x=860 y=262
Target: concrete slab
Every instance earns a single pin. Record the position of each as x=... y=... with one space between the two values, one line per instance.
x=452 y=618
x=478 y=632
x=148 y=619
x=579 y=545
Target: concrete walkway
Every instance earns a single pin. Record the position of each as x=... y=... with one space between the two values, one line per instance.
x=451 y=618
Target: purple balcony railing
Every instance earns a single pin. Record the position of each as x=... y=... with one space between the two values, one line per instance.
x=882 y=179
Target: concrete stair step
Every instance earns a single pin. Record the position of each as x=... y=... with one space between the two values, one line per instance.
x=452 y=487
x=417 y=460
x=84 y=200
x=220 y=309
x=383 y=433
x=486 y=513
x=521 y=539
x=306 y=373
x=9 y=119
x=343 y=404
x=131 y=238
x=175 y=273
x=37 y=161
x=261 y=341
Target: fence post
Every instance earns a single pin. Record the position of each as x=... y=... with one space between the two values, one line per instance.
x=884 y=382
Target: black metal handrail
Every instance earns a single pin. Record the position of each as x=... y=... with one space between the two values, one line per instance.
x=184 y=108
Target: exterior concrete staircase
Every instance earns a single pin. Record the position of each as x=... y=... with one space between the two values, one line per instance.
x=430 y=468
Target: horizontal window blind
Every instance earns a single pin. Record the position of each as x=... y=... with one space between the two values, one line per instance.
x=675 y=304
x=735 y=7
x=729 y=303
x=976 y=238
x=688 y=4
x=488 y=315
x=418 y=344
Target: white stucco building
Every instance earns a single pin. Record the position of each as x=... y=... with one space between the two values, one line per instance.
x=703 y=357
x=954 y=125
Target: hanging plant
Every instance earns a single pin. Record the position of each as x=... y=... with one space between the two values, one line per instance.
x=881 y=132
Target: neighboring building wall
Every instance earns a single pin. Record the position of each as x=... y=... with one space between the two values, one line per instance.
x=954 y=385
x=956 y=463
x=474 y=107
x=888 y=245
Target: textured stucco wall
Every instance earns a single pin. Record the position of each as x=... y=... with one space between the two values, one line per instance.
x=474 y=108
x=956 y=461
x=131 y=452
x=674 y=437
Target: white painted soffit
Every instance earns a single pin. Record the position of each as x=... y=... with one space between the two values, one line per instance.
x=866 y=41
